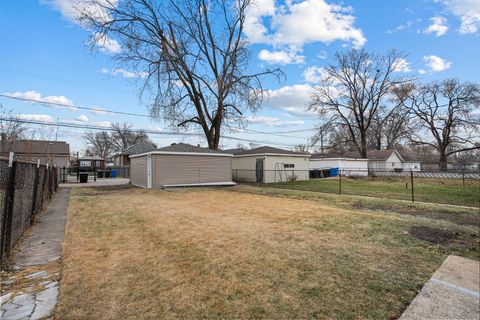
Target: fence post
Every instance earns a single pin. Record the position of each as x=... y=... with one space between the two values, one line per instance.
x=8 y=208
x=35 y=189
x=339 y=181
x=411 y=184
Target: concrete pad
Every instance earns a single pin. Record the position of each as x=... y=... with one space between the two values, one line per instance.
x=101 y=182
x=45 y=243
x=451 y=293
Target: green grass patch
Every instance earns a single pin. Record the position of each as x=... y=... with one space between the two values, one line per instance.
x=448 y=191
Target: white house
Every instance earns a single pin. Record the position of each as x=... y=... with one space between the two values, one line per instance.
x=269 y=165
x=350 y=166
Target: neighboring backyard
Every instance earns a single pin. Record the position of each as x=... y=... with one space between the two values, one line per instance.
x=464 y=192
x=234 y=253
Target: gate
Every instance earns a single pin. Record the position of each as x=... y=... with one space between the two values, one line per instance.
x=259 y=170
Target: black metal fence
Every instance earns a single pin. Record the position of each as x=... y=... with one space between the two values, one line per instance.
x=452 y=187
x=25 y=189
x=72 y=174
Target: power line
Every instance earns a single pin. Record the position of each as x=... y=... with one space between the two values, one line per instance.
x=172 y=133
x=53 y=78
x=74 y=106
x=278 y=134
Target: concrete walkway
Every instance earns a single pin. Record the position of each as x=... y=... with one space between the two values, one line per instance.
x=451 y=293
x=33 y=295
x=45 y=243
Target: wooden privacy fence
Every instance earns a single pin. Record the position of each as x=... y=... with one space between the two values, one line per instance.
x=25 y=189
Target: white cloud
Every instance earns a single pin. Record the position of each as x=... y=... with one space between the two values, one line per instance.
x=323 y=55
x=436 y=64
x=295 y=24
x=105 y=43
x=124 y=73
x=274 y=121
x=34 y=95
x=82 y=118
x=468 y=11
x=314 y=74
x=406 y=25
x=291 y=99
x=36 y=117
x=72 y=9
x=280 y=57
x=439 y=26
x=402 y=65
x=99 y=111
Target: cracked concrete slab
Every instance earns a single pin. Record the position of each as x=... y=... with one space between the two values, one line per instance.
x=451 y=293
x=33 y=295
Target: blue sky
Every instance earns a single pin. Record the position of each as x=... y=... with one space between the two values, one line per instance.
x=43 y=56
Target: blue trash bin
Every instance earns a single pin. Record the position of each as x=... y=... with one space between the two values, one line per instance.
x=114 y=173
x=333 y=172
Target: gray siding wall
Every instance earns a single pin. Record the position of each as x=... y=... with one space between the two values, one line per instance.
x=138 y=171
x=189 y=169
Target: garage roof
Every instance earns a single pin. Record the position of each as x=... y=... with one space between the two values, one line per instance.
x=266 y=150
x=185 y=148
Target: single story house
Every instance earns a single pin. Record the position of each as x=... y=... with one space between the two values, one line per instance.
x=123 y=158
x=90 y=163
x=388 y=160
x=181 y=164
x=55 y=153
x=267 y=164
x=350 y=166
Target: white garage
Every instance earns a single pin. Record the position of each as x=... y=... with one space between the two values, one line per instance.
x=348 y=166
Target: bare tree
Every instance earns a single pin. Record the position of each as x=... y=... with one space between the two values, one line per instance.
x=193 y=55
x=10 y=130
x=99 y=143
x=392 y=123
x=301 y=148
x=123 y=137
x=352 y=90
x=444 y=112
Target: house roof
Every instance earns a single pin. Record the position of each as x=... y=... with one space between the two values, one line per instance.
x=91 y=158
x=381 y=155
x=269 y=150
x=138 y=148
x=37 y=147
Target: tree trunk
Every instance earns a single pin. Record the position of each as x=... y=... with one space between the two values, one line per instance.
x=443 y=160
x=363 y=146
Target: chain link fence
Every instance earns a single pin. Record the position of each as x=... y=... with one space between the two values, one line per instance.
x=25 y=189
x=457 y=188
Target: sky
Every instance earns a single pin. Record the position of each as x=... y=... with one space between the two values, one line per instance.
x=44 y=55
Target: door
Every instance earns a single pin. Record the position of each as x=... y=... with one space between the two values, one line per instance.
x=149 y=171
x=259 y=170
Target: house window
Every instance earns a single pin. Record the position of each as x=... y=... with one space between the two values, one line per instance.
x=393 y=164
x=288 y=165
x=85 y=163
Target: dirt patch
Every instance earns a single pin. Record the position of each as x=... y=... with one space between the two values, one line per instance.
x=457 y=218
x=435 y=236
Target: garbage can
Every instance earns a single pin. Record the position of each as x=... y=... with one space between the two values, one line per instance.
x=114 y=173
x=100 y=174
x=83 y=177
x=326 y=173
x=333 y=172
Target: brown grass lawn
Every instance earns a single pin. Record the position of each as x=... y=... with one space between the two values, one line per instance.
x=212 y=253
